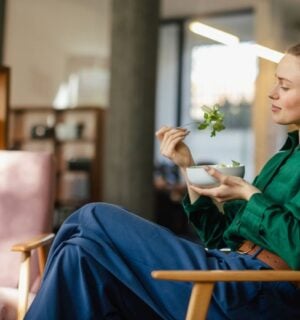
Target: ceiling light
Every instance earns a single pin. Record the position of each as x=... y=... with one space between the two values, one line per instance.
x=267 y=53
x=230 y=39
x=213 y=33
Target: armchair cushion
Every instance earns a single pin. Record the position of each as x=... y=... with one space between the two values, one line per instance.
x=9 y=300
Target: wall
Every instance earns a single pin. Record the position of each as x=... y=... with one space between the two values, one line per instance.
x=45 y=40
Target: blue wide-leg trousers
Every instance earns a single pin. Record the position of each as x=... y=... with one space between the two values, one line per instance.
x=100 y=264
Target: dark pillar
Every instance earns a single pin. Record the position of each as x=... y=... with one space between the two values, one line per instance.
x=128 y=170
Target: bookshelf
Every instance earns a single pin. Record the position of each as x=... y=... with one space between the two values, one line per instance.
x=76 y=138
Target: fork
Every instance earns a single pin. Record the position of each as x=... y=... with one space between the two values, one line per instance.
x=186 y=125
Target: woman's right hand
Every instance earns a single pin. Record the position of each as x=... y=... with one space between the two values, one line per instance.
x=173 y=147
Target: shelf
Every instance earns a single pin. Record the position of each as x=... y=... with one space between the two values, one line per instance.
x=86 y=127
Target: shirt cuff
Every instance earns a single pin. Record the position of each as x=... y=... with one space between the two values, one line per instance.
x=201 y=202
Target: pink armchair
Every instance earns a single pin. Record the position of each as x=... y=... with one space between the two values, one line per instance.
x=26 y=217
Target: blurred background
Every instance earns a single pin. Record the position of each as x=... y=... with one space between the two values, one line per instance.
x=91 y=81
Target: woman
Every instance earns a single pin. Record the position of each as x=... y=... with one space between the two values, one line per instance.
x=100 y=263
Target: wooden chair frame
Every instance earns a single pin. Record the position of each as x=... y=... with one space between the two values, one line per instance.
x=41 y=243
x=204 y=281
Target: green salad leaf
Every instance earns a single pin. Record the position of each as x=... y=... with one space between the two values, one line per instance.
x=213 y=119
x=233 y=164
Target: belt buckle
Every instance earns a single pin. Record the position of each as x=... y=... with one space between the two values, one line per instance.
x=247 y=251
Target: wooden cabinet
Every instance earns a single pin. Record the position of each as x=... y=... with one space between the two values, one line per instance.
x=75 y=136
x=4 y=105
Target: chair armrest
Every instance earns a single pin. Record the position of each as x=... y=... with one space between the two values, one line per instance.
x=219 y=275
x=33 y=243
x=38 y=242
x=204 y=281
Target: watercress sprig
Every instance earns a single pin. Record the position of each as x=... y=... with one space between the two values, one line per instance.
x=213 y=119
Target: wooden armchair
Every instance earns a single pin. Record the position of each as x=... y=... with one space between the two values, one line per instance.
x=204 y=281
x=26 y=248
x=26 y=212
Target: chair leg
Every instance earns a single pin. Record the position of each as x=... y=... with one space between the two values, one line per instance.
x=24 y=285
x=42 y=256
x=199 y=301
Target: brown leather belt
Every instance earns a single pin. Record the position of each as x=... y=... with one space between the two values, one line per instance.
x=269 y=258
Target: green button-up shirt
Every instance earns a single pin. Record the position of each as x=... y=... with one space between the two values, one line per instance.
x=270 y=219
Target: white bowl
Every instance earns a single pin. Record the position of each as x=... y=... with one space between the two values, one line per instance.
x=198 y=176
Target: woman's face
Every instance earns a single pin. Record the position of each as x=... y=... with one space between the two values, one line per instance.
x=285 y=95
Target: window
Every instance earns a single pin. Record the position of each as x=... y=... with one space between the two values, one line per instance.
x=211 y=73
x=223 y=75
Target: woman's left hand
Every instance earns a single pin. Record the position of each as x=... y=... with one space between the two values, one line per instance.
x=230 y=187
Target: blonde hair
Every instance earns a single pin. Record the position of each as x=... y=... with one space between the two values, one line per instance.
x=294 y=50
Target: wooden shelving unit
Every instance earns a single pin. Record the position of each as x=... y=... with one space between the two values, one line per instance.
x=76 y=137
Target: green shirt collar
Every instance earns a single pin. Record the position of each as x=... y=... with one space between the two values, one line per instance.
x=292 y=141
